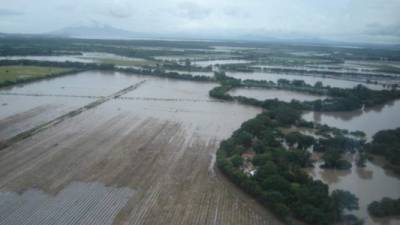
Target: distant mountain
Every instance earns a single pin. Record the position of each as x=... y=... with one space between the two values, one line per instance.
x=95 y=32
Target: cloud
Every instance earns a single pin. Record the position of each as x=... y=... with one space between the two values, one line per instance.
x=9 y=12
x=384 y=30
x=191 y=10
x=120 y=10
x=340 y=19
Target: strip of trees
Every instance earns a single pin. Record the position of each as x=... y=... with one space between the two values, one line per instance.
x=385 y=207
x=338 y=99
x=386 y=143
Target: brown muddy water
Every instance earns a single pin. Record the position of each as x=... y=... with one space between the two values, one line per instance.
x=369 y=184
x=283 y=95
x=370 y=120
x=372 y=182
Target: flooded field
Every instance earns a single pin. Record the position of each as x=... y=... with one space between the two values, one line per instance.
x=148 y=152
x=283 y=95
x=369 y=184
x=370 y=120
x=28 y=105
x=308 y=79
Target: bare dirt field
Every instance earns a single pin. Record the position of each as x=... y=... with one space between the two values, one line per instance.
x=143 y=158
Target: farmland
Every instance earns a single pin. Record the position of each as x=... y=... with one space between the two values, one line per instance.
x=131 y=134
x=167 y=166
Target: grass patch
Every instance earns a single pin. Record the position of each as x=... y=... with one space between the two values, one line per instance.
x=24 y=73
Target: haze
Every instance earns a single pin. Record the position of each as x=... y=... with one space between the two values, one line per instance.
x=342 y=20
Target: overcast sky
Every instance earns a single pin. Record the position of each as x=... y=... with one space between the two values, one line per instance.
x=346 y=20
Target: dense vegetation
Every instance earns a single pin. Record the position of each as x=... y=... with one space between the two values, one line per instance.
x=339 y=99
x=279 y=181
x=385 y=207
x=387 y=144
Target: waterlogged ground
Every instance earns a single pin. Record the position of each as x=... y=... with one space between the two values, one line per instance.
x=149 y=154
x=283 y=95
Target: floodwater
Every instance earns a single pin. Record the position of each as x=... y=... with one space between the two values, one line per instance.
x=369 y=184
x=372 y=182
x=307 y=79
x=370 y=120
x=162 y=88
x=283 y=95
x=90 y=83
x=26 y=106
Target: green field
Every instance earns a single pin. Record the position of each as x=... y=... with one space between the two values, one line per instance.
x=19 y=73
